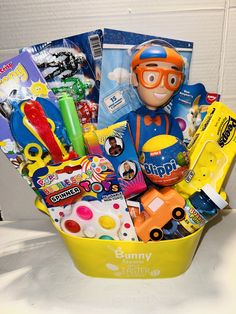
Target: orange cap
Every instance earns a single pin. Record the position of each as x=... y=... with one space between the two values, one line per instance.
x=157 y=53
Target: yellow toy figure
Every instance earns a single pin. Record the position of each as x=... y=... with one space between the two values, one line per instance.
x=157 y=73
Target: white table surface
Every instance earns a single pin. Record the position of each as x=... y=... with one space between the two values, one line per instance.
x=37 y=276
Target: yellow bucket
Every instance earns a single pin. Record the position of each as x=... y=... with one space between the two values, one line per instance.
x=127 y=259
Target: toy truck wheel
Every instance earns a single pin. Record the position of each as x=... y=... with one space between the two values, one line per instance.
x=156 y=234
x=178 y=213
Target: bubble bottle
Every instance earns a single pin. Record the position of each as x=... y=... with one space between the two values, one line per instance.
x=201 y=207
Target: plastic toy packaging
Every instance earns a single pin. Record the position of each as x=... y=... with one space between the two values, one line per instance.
x=84 y=198
x=164 y=160
x=157 y=72
x=211 y=151
x=202 y=207
x=117 y=96
x=166 y=215
x=100 y=220
x=189 y=107
x=73 y=65
x=32 y=129
x=117 y=146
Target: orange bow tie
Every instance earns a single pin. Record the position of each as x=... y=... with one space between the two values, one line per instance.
x=148 y=120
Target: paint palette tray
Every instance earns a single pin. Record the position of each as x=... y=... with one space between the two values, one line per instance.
x=107 y=220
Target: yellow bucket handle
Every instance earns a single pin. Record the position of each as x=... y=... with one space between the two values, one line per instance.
x=40 y=206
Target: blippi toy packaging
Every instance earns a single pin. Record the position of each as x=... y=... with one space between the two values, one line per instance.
x=164 y=160
x=157 y=72
x=117 y=98
x=211 y=151
x=84 y=198
x=189 y=107
x=73 y=65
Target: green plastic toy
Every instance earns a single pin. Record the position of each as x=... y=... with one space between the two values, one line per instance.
x=72 y=123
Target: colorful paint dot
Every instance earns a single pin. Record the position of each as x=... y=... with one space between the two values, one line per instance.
x=93 y=165
x=98 y=170
x=84 y=176
x=104 y=168
x=72 y=226
x=107 y=222
x=61 y=214
x=125 y=234
x=97 y=187
x=84 y=212
x=106 y=237
x=56 y=220
x=127 y=225
x=116 y=206
x=127 y=209
x=96 y=159
x=90 y=232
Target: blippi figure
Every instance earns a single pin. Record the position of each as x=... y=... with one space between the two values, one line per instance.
x=157 y=73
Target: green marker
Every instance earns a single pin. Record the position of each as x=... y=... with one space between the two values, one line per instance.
x=72 y=123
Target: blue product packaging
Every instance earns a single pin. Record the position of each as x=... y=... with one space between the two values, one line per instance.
x=117 y=96
x=117 y=146
x=73 y=65
x=20 y=81
x=189 y=107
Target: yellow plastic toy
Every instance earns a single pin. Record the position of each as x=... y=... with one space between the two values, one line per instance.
x=211 y=151
x=37 y=160
x=129 y=259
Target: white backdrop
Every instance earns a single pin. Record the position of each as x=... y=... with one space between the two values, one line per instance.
x=211 y=25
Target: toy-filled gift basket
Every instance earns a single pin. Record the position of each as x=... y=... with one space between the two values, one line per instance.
x=126 y=158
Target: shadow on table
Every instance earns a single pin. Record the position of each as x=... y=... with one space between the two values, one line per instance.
x=212 y=224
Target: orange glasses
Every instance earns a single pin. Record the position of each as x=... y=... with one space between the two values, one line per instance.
x=150 y=77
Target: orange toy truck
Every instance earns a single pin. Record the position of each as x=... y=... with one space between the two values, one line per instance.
x=159 y=208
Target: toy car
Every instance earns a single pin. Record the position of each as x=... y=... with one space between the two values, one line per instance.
x=159 y=208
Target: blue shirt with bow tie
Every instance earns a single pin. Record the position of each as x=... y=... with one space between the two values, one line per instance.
x=145 y=124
